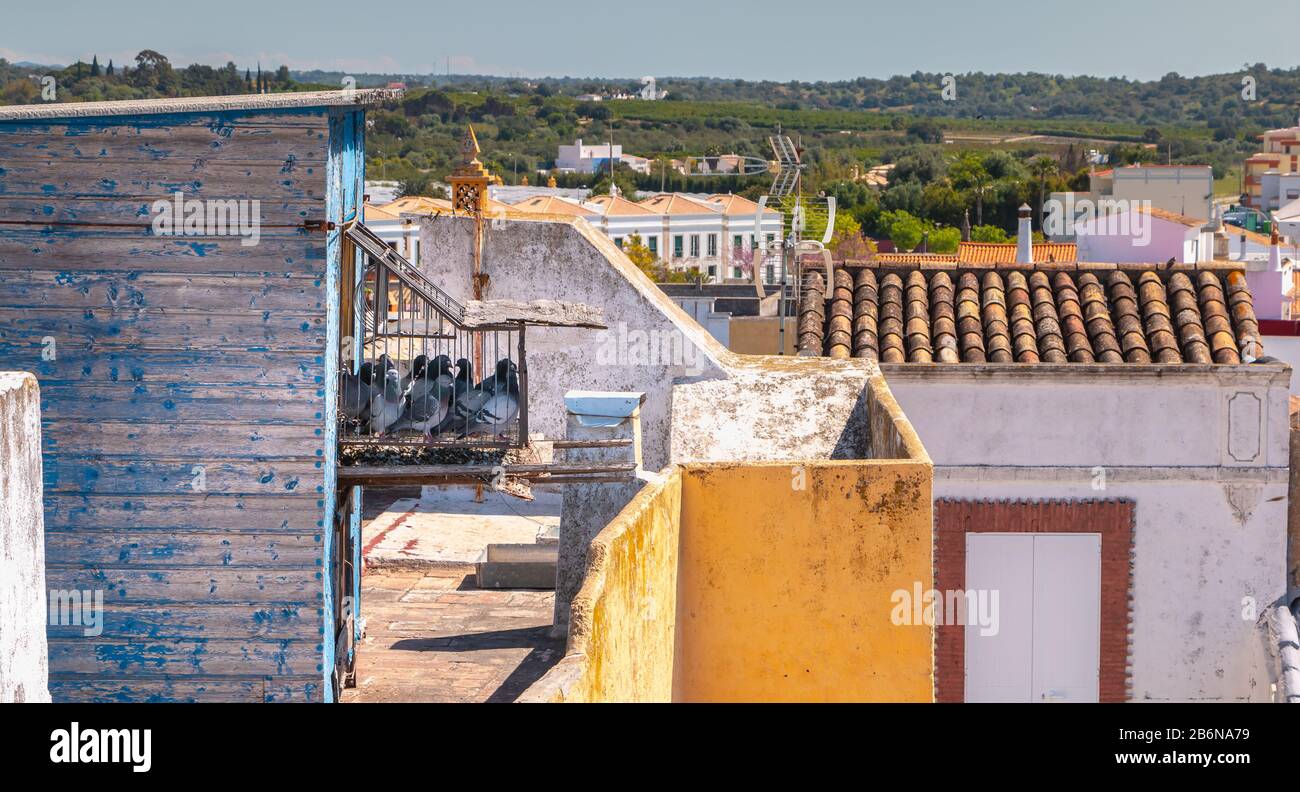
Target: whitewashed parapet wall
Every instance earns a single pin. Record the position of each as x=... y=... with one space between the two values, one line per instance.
x=1201 y=450
x=650 y=341
x=24 y=670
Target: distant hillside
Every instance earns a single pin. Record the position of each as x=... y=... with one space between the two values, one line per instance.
x=1003 y=140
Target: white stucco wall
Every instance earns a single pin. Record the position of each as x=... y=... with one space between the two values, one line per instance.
x=703 y=402
x=24 y=671
x=650 y=340
x=1286 y=349
x=1201 y=450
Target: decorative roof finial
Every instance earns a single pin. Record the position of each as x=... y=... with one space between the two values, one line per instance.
x=469 y=149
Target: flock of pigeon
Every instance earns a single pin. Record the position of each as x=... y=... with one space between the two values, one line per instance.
x=380 y=400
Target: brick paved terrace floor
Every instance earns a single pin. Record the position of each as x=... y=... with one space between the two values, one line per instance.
x=432 y=636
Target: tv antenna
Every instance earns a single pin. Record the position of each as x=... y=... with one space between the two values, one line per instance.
x=807 y=224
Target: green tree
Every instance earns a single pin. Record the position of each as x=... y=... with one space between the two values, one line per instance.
x=968 y=173
x=641 y=256
x=1043 y=168
x=943 y=240
x=926 y=130
x=847 y=241
x=904 y=229
x=988 y=233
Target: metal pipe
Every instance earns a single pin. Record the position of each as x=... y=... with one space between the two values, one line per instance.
x=1289 y=651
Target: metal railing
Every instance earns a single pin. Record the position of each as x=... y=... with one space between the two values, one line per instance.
x=414 y=372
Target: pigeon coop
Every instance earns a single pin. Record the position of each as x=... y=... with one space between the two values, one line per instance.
x=397 y=391
x=171 y=271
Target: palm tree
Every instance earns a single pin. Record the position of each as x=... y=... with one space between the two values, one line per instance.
x=968 y=173
x=1043 y=167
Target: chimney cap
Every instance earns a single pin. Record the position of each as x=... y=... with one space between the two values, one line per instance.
x=1025 y=210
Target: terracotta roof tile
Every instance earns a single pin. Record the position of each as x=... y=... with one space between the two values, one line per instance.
x=970 y=326
x=1128 y=321
x=1028 y=315
x=1047 y=321
x=891 y=319
x=943 y=319
x=915 y=258
x=1005 y=252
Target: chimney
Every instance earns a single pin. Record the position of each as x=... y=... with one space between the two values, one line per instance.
x=965 y=227
x=1025 y=237
x=1220 y=237
x=1275 y=252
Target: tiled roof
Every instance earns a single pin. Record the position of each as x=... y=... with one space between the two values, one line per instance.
x=1076 y=313
x=374 y=212
x=733 y=205
x=1173 y=217
x=674 y=203
x=552 y=204
x=1005 y=252
x=417 y=204
x=915 y=258
x=615 y=205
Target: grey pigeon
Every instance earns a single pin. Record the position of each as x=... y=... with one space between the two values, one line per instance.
x=418 y=368
x=464 y=376
x=354 y=396
x=428 y=402
x=386 y=404
x=497 y=412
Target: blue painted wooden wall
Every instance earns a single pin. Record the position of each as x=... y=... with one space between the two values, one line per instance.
x=175 y=356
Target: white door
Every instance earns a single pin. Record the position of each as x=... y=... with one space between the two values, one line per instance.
x=999 y=665
x=1047 y=641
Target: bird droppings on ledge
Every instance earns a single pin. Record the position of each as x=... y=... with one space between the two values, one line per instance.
x=426 y=455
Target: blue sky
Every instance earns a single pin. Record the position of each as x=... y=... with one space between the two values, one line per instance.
x=752 y=39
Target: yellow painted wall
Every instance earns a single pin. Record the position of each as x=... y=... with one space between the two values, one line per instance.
x=746 y=582
x=621 y=638
x=784 y=592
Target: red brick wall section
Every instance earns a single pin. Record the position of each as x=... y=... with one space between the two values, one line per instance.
x=1113 y=519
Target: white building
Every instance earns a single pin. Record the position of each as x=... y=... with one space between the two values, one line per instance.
x=715 y=235
x=1288 y=220
x=1184 y=190
x=582 y=158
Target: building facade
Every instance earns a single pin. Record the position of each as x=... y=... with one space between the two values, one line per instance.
x=1272 y=176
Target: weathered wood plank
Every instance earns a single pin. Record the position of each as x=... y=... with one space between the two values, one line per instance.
x=201 y=442
x=221 y=123
x=219 y=512
x=180 y=657
x=170 y=291
x=155 y=366
x=274 y=622
x=67 y=250
x=176 y=549
x=161 y=477
x=129 y=143
x=162 y=328
x=42 y=211
x=195 y=178
x=102 y=689
x=175 y=586
x=181 y=403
